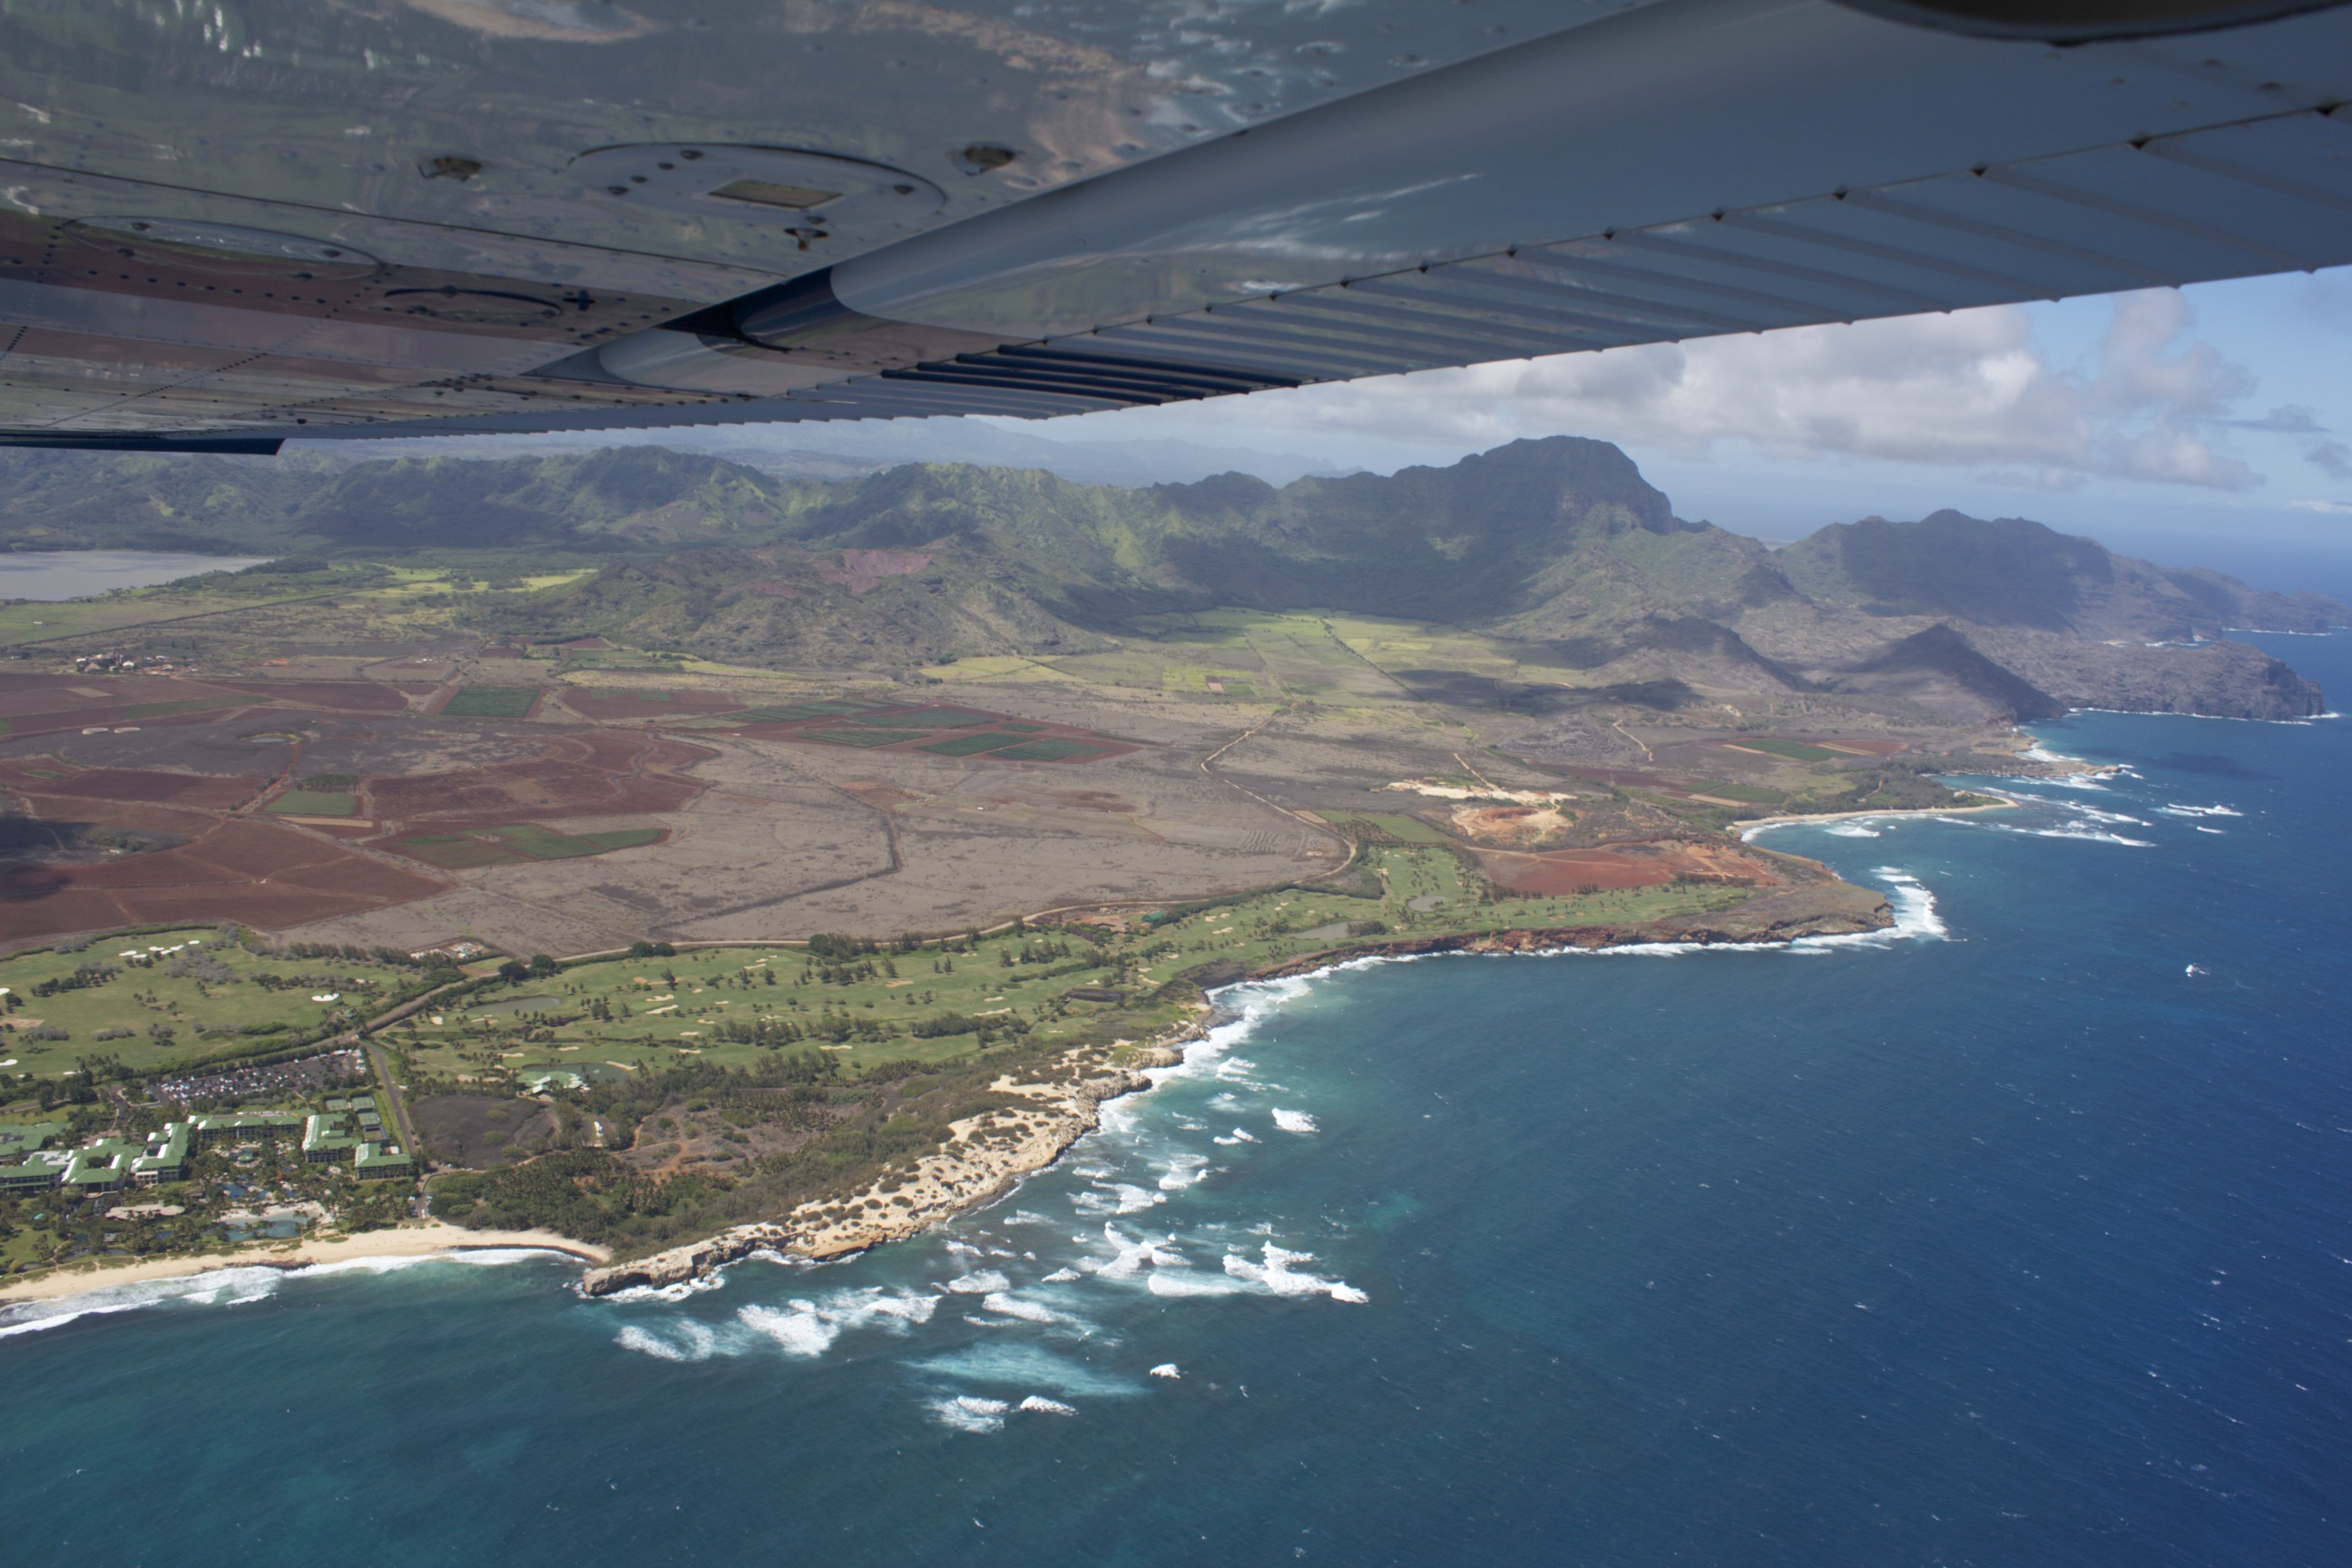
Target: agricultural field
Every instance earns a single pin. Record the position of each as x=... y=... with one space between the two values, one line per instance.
x=166 y=1001
x=516 y=844
x=490 y=702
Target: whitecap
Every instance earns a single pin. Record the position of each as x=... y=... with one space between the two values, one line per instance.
x=677 y=1290
x=1276 y=1275
x=1131 y=1255
x=1010 y=1306
x=1167 y=1369
x=688 y=1341
x=2200 y=811
x=980 y=1282
x=801 y=1329
x=1063 y=1275
x=1850 y=830
x=1295 y=1121
x=1178 y=1283
x=964 y=1413
x=1123 y=1199
x=1038 y=1404
x=1914 y=909
x=1025 y=1364
x=1184 y=1170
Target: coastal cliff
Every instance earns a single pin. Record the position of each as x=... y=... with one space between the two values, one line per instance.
x=987 y=1155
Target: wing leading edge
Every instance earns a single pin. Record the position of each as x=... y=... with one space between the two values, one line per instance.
x=1679 y=169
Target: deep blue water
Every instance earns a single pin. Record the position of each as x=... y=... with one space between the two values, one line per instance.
x=2009 y=1241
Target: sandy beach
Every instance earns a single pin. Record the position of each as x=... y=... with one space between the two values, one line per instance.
x=407 y=1241
x=1745 y=828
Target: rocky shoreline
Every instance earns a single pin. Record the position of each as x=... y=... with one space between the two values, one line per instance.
x=989 y=1155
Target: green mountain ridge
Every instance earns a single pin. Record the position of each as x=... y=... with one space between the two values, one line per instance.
x=1558 y=543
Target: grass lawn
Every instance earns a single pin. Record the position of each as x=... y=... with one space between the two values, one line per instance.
x=207 y=1019
x=316 y=803
x=660 y=1011
x=491 y=702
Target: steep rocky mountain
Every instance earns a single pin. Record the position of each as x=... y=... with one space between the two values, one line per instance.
x=2012 y=572
x=1557 y=546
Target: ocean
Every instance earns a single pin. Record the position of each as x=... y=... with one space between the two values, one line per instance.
x=2018 y=1237
x=53 y=574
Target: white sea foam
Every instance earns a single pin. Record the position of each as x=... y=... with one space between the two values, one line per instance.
x=2202 y=828
x=800 y=1328
x=979 y=1282
x=1239 y=1135
x=221 y=1287
x=1295 y=1121
x=1178 y=1283
x=2200 y=811
x=1063 y=1275
x=677 y=1291
x=1024 y=1364
x=1010 y=1306
x=1038 y=1404
x=1184 y=1170
x=964 y=1413
x=1167 y=1369
x=1276 y=1275
x=687 y=1340
x=1123 y=1197
x=1131 y=1255
x=1850 y=830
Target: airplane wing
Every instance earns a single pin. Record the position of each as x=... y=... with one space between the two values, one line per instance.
x=226 y=223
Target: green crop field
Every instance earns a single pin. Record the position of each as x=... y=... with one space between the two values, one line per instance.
x=515 y=844
x=1046 y=751
x=1404 y=829
x=972 y=745
x=907 y=719
x=856 y=737
x=1795 y=751
x=189 y=996
x=791 y=714
x=491 y=702
x=456 y=851
x=316 y=803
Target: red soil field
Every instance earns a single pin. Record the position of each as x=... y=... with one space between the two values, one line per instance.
x=595 y=772
x=1563 y=872
x=632 y=705
x=239 y=870
x=344 y=696
x=214 y=791
x=1558 y=871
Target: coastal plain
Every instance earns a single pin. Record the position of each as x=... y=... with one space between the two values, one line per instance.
x=803 y=886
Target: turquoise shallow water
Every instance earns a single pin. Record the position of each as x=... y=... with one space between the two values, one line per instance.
x=2007 y=1240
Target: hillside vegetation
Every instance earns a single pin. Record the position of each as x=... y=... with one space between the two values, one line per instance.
x=1558 y=545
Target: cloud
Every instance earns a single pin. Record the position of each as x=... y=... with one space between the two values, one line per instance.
x=2287 y=419
x=1972 y=389
x=2330 y=458
x=2332 y=508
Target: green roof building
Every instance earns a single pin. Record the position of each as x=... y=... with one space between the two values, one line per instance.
x=386 y=1160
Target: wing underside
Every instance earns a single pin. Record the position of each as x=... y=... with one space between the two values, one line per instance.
x=1639 y=174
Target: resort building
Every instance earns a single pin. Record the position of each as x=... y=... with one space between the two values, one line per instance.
x=386 y=1160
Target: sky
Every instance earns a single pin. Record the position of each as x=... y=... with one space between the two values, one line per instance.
x=2210 y=425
